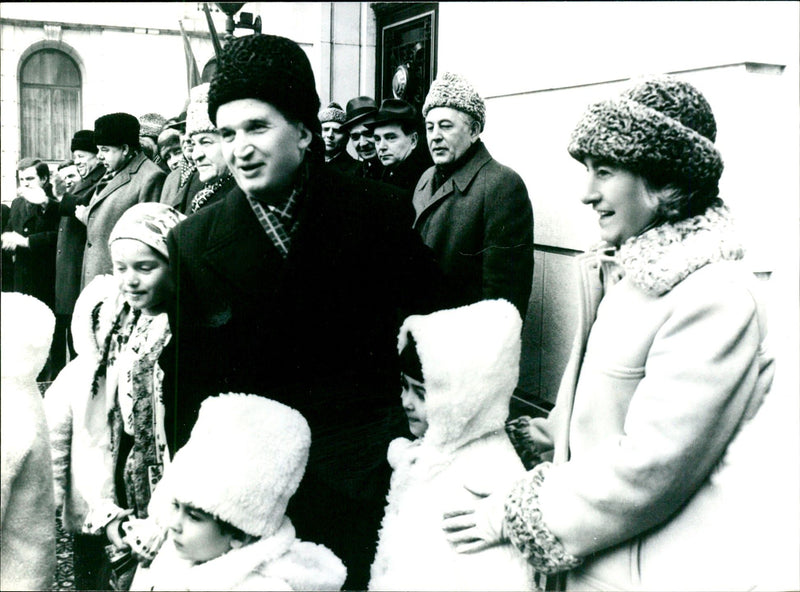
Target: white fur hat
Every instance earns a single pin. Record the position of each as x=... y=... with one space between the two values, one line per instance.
x=243 y=461
x=27 y=331
x=197 y=119
x=470 y=363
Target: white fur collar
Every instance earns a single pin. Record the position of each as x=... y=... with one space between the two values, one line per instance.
x=657 y=260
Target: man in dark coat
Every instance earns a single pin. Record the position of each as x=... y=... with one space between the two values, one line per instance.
x=403 y=156
x=30 y=235
x=293 y=287
x=130 y=178
x=72 y=240
x=335 y=138
x=361 y=111
x=471 y=210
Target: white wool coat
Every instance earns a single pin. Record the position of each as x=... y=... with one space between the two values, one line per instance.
x=650 y=483
x=27 y=511
x=469 y=382
x=83 y=459
x=278 y=562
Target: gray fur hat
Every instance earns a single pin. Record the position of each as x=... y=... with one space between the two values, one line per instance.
x=662 y=128
x=452 y=90
x=333 y=112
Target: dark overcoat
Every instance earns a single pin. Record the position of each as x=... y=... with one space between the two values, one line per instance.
x=317 y=331
x=479 y=224
x=35 y=266
x=138 y=182
x=71 y=241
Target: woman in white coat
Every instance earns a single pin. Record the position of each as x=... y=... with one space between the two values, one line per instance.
x=668 y=369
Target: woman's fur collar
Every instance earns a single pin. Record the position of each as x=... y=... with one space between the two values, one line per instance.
x=657 y=260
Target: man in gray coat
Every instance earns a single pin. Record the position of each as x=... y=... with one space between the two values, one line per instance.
x=471 y=210
x=130 y=178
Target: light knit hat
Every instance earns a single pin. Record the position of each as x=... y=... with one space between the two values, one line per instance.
x=26 y=336
x=148 y=222
x=243 y=462
x=333 y=112
x=453 y=90
x=661 y=127
x=151 y=124
x=197 y=119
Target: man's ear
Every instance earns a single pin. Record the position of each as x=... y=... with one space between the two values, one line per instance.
x=306 y=135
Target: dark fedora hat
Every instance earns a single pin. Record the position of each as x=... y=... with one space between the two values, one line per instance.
x=360 y=110
x=394 y=110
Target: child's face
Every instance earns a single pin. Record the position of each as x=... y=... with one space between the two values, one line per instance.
x=143 y=275
x=413 y=398
x=197 y=535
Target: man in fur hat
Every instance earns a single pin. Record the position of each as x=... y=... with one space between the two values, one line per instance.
x=292 y=287
x=331 y=118
x=471 y=210
x=130 y=178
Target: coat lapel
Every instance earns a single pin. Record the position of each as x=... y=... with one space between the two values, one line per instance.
x=239 y=250
x=424 y=200
x=122 y=178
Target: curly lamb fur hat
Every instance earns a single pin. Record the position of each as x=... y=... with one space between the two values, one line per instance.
x=270 y=68
x=243 y=462
x=662 y=128
x=333 y=112
x=197 y=119
x=452 y=90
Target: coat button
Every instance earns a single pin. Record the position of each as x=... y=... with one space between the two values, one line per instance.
x=89 y=245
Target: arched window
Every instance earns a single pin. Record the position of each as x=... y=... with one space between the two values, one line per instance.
x=50 y=104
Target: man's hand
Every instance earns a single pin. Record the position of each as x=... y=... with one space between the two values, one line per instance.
x=82 y=214
x=479 y=525
x=13 y=240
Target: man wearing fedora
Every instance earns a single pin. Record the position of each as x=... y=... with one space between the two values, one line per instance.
x=360 y=112
x=471 y=210
x=403 y=156
x=130 y=178
x=293 y=287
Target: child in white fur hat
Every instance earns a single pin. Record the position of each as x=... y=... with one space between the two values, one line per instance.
x=27 y=526
x=224 y=499
x=457 y=401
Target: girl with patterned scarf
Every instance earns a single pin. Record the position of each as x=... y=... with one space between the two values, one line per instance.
x=644 y=476
x=206 y=153
x=105 y=409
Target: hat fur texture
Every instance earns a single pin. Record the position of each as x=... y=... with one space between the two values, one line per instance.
x=272 y=69
x=662 y=128
x=243 y=462
x=470 y=363
x=151 y=124
x=27 y=331
x=148 y=222
x=83 y=140
x=117 y=129
x=197 y=120
x=454 y=91
x=333 y=112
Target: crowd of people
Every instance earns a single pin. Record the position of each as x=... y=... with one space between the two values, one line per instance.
x=277 y=366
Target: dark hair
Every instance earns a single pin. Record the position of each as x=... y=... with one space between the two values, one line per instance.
x=42 y=170
x=410 y=364
x=65 y=164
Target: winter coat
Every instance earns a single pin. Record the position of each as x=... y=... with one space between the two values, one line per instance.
x=72 y=241
x=177 y=196
x=35 y=266
x=27 y=511
x=278 y=562
x=406 y=174
x=468 y=392
x=661 y=385
x=344 y=162
x=139 y=181
x=85 y=427
x=316 y=331
x=479 y=224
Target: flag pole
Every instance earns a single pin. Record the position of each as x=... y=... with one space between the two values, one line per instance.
x=213 y=30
